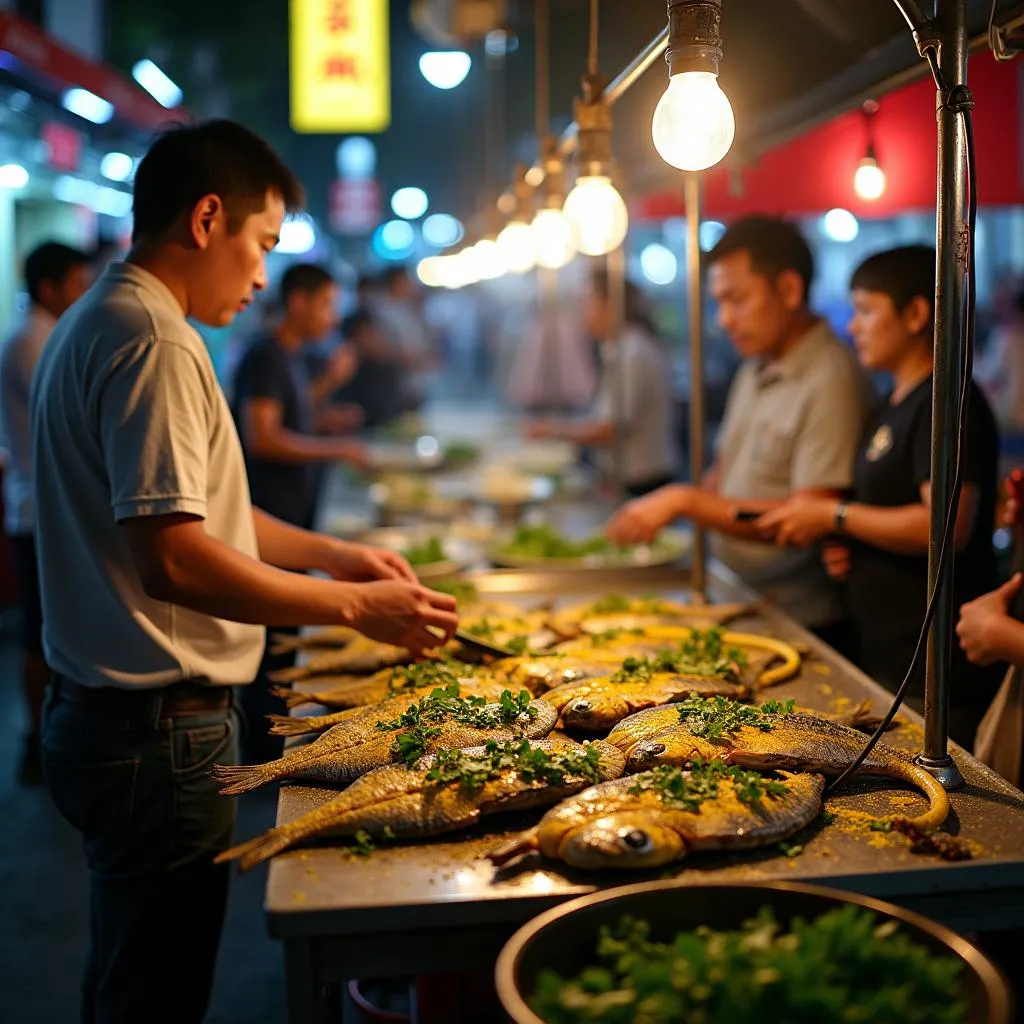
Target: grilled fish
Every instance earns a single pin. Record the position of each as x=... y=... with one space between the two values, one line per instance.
x=624 y=824
x=332 y=636
x=765 y=741
x=485 y=686
x=356 y=691
x=545 y=673
x=616 y=611
x=595 y=705
x=404 y=803
x=354 y=748
x=361 y=657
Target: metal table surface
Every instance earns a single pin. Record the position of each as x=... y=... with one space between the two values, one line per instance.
x=439 y=906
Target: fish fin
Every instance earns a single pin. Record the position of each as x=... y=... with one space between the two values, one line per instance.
x=288 y=725
x=513 y=848
x=257 y=850
x=292 y=698
x=289 y=675
x=242 y=778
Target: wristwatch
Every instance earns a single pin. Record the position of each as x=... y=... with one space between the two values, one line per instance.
x=842 y=510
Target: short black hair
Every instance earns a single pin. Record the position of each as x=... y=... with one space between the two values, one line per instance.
x=903 y=274
x=221 y=158
x=51 y=261
x=303 y=277
x=774 y=244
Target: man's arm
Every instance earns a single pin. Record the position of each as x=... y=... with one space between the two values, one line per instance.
x=266 y=438
x=179 y=562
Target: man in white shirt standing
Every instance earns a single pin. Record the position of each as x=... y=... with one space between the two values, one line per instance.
x=157 y=574
x=56 y=276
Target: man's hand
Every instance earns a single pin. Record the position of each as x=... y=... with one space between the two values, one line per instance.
x=641 y=520
x=354 y=454
x=339 y=419
x=837 y=560
x=801 y=521
x=399 y=613
x=361 y=563
x=980 y=622
x=342 y=365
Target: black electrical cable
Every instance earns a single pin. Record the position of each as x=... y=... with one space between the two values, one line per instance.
x=958 y=99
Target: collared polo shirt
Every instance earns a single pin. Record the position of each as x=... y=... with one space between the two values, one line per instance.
x=128 y=420
x=791 y=425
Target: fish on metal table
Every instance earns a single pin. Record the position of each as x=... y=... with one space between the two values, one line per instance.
x=617 y=611
x=441 y=793
x=351 y=749
x=660 y=816
x=767 y=741
x=541 y=673
x=361 y=657
x=483 y=685
x=330 y=636
x=357 y=691
x=595 y=705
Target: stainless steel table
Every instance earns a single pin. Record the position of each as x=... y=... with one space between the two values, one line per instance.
x=440 y=906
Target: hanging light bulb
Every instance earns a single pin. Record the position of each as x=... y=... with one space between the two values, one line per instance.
x=869 y=179
x=552 y=232
x=693 y=125
x=516 y=240
x=490 y=264
x=552 y=238
x=594 y=208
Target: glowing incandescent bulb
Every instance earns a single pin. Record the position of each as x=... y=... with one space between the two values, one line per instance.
x=693 y=124
x=552 y=236
x=597 y=215
x=869 y=179
x=517 y=246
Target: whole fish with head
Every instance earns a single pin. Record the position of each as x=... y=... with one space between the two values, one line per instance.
x=443 y=793
x=525 y=631
x=330 y=637
x=769 y=738
x=357 y=691
x=441 y=720
x=545 y=672
x=664 y=815
x=483 y=685
x=362 y=656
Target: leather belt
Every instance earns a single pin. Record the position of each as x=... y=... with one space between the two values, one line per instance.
x=185 y=698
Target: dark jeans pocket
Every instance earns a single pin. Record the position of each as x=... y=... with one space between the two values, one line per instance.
x=195 y=749
x=97 y=798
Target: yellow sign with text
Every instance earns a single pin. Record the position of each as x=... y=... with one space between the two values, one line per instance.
x=340 y=73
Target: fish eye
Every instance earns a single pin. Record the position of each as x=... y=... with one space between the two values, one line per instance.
x=582 y=706
x=637 y=840
x=651 y=750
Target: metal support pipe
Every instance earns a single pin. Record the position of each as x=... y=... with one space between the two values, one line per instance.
x=951 y=20
x=615 y=264
x=699 y=566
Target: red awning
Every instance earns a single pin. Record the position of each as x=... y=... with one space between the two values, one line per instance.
x=815 y=172
x=44 y=56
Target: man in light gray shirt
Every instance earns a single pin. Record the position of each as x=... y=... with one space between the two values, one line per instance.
x=793 y=422
x=56 y=276
x=158 y=576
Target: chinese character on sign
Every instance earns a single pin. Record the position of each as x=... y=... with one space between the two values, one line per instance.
x=341 y=66
x=339 y=16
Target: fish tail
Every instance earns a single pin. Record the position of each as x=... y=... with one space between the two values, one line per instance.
x=288 y=675
x=257 y=850
x=281 y=643
x=938 y=798
x=287 y=725
x=292 y=698
x=513 y=848
x=242 y=778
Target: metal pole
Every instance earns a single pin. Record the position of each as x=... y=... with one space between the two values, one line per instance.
x=615 y=263
x=951 y=19
x=699 y=569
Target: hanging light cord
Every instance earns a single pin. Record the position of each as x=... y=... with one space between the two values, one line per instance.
x=959 y=101
x=594 y=26
x=542 y=58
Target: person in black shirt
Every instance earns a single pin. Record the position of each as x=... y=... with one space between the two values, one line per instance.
x=376 y=387
x=882 y=531
x=278 y=409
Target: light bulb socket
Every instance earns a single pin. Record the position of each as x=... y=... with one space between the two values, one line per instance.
x=553 y=194
x=870 y=156
x=694 y=36
x=594 y=123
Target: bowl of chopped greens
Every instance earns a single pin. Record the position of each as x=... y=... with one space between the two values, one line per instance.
x=671 y=953
x=430 y=553
x=541 y=547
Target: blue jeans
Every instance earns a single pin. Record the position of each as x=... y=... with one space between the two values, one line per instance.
x=134 y=781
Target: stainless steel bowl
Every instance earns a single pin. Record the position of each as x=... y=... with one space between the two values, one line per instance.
x=564 y=938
